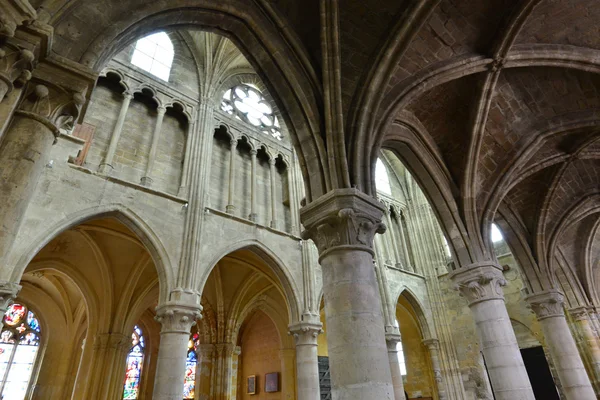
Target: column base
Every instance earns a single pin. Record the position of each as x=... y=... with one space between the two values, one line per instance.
x=230 y=209
x=146 y=181
x=253 y=217
x=106 y=169
x=273 y=224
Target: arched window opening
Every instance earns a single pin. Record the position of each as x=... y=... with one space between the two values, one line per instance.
x=189 y=380
x=19 y=345
x=247 y=103
x=154 y=54
x=382 y=180
x=135 y=360
x=496 y=234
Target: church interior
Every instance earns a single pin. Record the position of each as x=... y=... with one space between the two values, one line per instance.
x=299 y=200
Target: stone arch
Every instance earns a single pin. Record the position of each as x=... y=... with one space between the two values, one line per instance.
x=147 y=236
x=418 y=309
x=286 y=74
x=290 y=289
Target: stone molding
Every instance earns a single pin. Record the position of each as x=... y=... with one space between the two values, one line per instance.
x=343 y=219
x=8 y=292
x=177 y=318
x=547 y=304
x=16 y=65
x=106 y=341
x=479 y=282
x=306 y=333
x=226 y=349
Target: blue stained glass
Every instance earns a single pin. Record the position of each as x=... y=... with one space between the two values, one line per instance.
x=189 y=381
x=33 y=322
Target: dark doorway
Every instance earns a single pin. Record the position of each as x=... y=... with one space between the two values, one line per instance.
x=539 y=373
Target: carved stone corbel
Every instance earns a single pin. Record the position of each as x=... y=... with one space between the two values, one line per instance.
x=8 y=292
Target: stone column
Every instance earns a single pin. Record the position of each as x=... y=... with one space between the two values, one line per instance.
x=253 y=193
x=204 y=366
x=230 y=208
x=15 y=68
x=307 y=361
x=186 y=159
x=407 y=265
x=273 y=173
x=342 y=224
x=581 y=316
x=392 y=340
x=24 y=151
x=147 y=178
x=392 y=234
x=548 y=307
x=481 y=284
x=434 y=352
x=108 y=370
x=292 y=196
x=176 y=321
x=8 y=292
x=107 y=164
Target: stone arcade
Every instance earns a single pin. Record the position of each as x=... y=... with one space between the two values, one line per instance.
x=317 y=199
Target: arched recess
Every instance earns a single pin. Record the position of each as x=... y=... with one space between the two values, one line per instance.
x=418 y=310
x=290 y=289
x=130 y=219
x=290 y=79
x=434 y=180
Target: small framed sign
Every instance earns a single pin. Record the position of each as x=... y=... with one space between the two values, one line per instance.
x=272 y=382
x=251 y=385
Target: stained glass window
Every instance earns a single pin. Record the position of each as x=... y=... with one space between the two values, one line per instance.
x=135 y=359
x=247 y=103
x=19 y=345
x=154 y=54
x=189 y=380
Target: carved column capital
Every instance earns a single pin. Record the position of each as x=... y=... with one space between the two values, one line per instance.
x=547 y=304
x=177 y=318
x=479 y=282
x=205 y=351
x=14 y=14
x=16 y=65
x=51 y=105
x=306 y=333
x=392 y=340
x=343 y=219
x=8 y=292
x=225 y=349
x=580 y=313
x=432 y=344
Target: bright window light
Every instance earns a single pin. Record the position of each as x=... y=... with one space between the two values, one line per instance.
x=382 y=180
x=154 y=54
x=496 y=234
x=401 y=359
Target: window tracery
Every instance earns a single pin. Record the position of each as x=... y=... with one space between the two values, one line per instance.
x=135 y=360
x=154 y=54
x=19 y=346
x=248 y=104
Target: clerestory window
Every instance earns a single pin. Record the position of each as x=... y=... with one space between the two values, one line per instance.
x=19 y=347
x=247 y=103
x=382 y=179
x=154 y=53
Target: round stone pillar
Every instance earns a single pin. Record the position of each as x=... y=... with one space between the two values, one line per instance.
x=548 y=307
x=581 y=316
x=392 y=340
x=25 y=149
x=342 y=224
x=307 y=361
x=177 y=321
x=481 y=284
